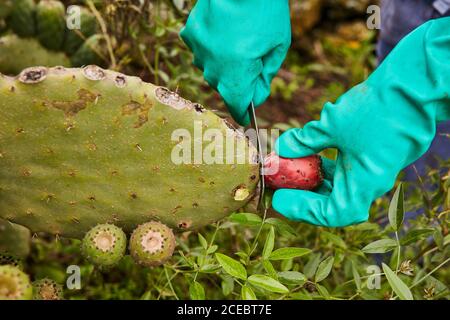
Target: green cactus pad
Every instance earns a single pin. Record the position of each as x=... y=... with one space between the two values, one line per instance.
x=15 y=55
x=104 y=245
x=51 y=23
x=75 y=38
x=14 y=284
x=14 y=239
x=47 y=289
x=80 y=147
x=152 y=244
x=22 y=18
x=92 y=51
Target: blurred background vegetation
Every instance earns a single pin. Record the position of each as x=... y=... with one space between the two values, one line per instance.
x=246 y=256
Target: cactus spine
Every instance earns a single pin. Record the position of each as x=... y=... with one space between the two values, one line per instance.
x=86 y=146
x=14 y=284
x=104 y=245
x=152 y=244
x=47 y=289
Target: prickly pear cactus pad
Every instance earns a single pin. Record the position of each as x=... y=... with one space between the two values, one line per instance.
x=19 y=53
x=79 y=147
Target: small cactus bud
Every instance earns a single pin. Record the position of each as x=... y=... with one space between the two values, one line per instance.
x=47 y=289
x=104 y=245
x=14 y=284
x=152 y=244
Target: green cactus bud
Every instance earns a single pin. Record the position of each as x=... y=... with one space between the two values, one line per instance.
x=22 y=18
x=47 y=289
x=51 y=23
x=152 y=244
x=92 y=51
x=104 y=245
x=14 y=239
x=15 y=55
x=75 y=38
x=80 y=147
x=14 y=284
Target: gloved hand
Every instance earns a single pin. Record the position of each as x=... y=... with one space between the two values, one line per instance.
x=239 y=45
x=379 y=127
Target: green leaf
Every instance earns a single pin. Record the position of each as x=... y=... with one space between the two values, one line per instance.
x=212 y=249
x=267 y=202
x=323 y=291
x=288 y=253
x=247 y=293
x=324 y=269
x=310 y=268
x=396 y=209
x=246 y=219
x=210 y=268
x=232 y=267
x=356 y=276
x=196 y=291
x=334 y=238
x=282 y=227
x=438 y=238
x=267 y=283
x=269 y=269
x=380 y=246
x=268 y=246
x=399 y=287
x=227 y=285
x=416 y=235
x=202 y=241
x=292 y=277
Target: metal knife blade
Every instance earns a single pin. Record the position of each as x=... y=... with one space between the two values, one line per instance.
x=254 y=124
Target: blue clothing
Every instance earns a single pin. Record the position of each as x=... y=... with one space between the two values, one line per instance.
x=399 y=18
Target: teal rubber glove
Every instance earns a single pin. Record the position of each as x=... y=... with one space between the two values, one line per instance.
x=379 y=127
x=239 y=45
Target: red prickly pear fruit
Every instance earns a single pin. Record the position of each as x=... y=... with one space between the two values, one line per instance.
x=300 y=173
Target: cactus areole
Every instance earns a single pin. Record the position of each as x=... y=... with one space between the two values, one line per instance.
x=80 y=147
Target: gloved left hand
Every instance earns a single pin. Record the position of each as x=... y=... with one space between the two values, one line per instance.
x=379 y=127
x=239 y=45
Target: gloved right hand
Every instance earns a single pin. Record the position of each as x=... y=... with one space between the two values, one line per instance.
x=379 y=127
x=239 y=45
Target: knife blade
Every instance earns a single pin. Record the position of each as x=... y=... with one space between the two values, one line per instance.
x=262 y=186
